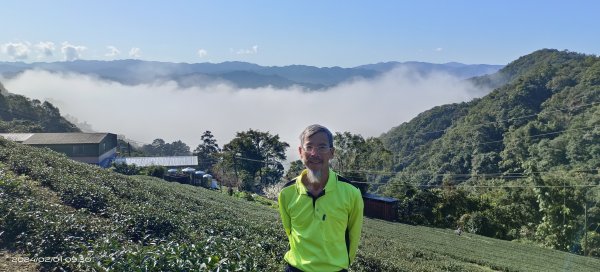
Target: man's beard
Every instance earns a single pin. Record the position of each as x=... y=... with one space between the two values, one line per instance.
x=314 y=177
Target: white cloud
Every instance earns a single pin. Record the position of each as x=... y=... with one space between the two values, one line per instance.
x=72 y=52
x=135 y=52
x=17 y=51
x=439 y=49
x=252 y=51
x=202 y=53
x=366 y=107
x=45 y=49
x=112 y=51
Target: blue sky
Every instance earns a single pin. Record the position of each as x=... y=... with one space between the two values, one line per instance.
x=276 y=33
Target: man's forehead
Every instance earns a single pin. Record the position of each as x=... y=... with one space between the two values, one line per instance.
x=319 y=137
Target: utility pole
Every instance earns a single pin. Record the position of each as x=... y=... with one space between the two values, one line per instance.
x=585 y=248
x=564 y=203
x=237 y=179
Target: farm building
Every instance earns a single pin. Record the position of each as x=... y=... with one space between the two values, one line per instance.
x=93 y=148
x=380 y=207
x=174 y=161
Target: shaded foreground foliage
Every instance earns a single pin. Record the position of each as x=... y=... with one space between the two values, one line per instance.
x=52 y=206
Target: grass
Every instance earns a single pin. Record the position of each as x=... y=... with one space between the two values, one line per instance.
x=52 y=206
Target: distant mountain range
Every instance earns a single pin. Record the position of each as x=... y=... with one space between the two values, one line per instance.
x=239 y=74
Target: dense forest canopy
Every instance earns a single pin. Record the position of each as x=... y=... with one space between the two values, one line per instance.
x=19 y=114
x=519 y=163
x=550 y=100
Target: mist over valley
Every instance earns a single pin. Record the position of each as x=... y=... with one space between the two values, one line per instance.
x=174 y=109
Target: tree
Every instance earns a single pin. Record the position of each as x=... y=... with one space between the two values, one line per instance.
x=177 y=148
x=354 y=155
x=559 y=208
x=157 y=148
x=452 y=205
x=207 y=151
x=257 y=157
x=295 y=169
x=417 y=209
x=19 y=114
x=160 y=148
x=348 y=148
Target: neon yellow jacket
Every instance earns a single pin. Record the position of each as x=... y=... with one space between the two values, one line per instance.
x=323 y=231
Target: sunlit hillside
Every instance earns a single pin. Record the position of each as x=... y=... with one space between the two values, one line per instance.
x=52 y=206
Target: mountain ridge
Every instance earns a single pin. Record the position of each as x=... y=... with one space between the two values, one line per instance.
x=133 y=72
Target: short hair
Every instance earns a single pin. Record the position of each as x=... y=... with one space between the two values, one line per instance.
x=314 y=129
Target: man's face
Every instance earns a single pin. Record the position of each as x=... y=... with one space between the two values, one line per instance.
x=316 y=152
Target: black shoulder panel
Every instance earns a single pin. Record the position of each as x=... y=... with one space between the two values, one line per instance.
x=290 y=183
x=343 y=179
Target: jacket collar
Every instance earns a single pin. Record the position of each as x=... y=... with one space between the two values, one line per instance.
x=329 y=187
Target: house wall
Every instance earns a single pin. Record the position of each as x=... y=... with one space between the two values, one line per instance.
x=107 y=144
x=380 y=209
x=74 y=150
x=88 y=153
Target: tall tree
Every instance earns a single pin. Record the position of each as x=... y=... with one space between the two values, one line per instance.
x=177 y=148
x=294 y=170
x=355 y=157
x=348 y=148
x=207 y=151
x=256 y=157
x=160 y=148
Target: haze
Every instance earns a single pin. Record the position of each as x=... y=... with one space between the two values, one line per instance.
x=146 y=112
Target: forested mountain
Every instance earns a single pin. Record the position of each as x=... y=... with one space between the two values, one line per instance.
x=19 y=114
x=239 y=74
x=550 y=92
x=523 y=160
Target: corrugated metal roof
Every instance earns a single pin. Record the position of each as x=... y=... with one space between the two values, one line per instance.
x=380 y=198
x=16 y=137
x=66 y=138
x=162 y=161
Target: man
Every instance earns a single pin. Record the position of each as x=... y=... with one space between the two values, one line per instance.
x=321 y=211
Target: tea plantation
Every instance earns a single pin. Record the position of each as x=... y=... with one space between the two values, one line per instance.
x=97 y=220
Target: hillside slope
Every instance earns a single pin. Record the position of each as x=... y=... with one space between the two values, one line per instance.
x=19 y=114
x=550 y=92
x=52 y=206
x=520 y=163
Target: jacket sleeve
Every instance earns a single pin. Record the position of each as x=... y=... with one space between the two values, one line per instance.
x=355 y=222
x=285 y=217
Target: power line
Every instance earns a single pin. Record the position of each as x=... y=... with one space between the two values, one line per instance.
x=504 y=176
x=491 y=186
x=483 y=186
x=506 y=120
x=531 y=136
x=545 y=134
x=516 y=118
x=484 y=175
x=507 y=175
x=525 y=137
x=254 y=160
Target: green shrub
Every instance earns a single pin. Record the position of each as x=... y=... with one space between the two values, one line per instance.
x=154 y=171
x=125 y=169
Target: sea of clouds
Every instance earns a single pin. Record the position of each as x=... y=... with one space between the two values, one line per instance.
x=164 y=110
